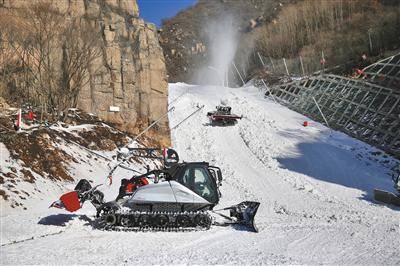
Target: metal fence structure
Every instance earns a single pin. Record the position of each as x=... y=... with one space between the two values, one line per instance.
x=298 y=66
x=365 y=110
x=385 y=72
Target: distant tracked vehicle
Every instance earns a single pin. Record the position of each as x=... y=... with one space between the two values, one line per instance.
x=223 y=116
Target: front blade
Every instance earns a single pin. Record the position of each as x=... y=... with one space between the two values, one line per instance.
x=386 y=197
x=245 y=212
x=71 y=201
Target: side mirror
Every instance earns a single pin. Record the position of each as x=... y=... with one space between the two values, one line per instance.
x=216 y=172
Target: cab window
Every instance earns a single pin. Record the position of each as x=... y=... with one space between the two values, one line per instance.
x=198 y=180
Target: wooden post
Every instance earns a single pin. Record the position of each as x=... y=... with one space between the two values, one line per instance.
x=45 y=108
x=262 y=62
x=272 y=62
x=41 y=115
x=19 y=120
x=270 y=92
x=237 y=70
x=370 y=41
x=284 y=62
x=302 y=67
x=319 y=109
x=323 y=61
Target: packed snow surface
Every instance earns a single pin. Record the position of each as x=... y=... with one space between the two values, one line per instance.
x=315 y=188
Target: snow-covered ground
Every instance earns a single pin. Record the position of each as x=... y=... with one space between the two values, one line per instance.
x=315 y=188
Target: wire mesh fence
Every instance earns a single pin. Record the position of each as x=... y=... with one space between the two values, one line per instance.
x=361 y=109
x=298 y=66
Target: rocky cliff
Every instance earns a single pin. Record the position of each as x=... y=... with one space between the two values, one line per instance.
x=127 y=84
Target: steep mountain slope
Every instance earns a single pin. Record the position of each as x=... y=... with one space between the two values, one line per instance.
x=345 y=34
x=314 y=186
x=184 y=37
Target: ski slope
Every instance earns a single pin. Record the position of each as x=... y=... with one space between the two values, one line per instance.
x=315 y=188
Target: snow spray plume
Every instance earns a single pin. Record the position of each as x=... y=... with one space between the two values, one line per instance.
x=222 y=40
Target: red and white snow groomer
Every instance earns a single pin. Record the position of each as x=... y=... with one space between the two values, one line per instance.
x=223 y=116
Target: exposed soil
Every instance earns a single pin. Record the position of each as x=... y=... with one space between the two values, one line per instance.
x=3 y=194
x=103 y=138
x=35 y=149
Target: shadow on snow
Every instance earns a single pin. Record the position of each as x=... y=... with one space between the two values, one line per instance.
x=332 y=164
x=62 y=219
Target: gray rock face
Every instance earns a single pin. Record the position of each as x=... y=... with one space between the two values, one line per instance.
x=128 y=83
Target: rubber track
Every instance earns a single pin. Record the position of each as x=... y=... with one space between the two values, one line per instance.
x=102 y=224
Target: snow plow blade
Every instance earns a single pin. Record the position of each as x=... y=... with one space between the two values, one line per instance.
x=244 y=213
x=73 y=201
x=68 y=201
x=386 y=197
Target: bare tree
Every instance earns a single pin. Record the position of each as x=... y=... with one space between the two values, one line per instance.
x=80 y=47
x=340 y=28
x=55 y=51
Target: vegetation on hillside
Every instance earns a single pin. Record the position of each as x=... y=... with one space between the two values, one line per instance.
x=45 y=56
x=342 y=30
x=182 y=34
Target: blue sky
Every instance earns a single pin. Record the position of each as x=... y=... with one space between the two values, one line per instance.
x=155 y=10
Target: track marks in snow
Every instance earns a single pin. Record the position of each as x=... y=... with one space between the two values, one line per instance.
x=303 y=219
x=32 y=238
x=309 y=196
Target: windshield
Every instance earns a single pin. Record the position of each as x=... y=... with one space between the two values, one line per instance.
x=198 y=180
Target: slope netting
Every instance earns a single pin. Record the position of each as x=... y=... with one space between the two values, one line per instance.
x=367 y=108
x=385 y=72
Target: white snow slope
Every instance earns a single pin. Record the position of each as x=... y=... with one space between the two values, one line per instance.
x=315 y=189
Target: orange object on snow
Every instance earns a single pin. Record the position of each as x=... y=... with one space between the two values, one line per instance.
x=305 y=123
x=71 y=201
